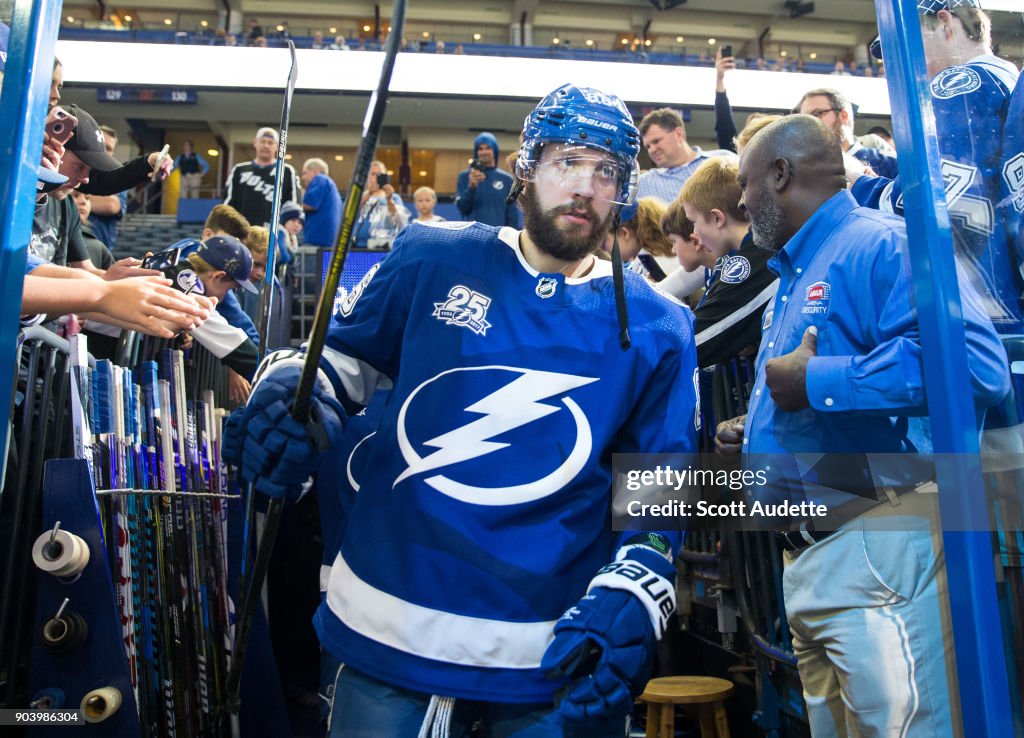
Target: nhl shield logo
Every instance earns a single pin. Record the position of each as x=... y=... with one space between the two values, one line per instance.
x=818 y=297
x=546 y=287
x=735 y=269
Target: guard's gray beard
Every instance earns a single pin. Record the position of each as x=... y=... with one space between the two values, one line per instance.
x=766 y=223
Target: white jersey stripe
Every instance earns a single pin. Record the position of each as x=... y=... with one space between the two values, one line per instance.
x=721 y=326
x=433 y=634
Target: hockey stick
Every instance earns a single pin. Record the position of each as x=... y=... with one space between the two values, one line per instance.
x=303 y=395
x=267 y=296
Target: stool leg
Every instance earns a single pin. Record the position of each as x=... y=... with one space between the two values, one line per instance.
x=707 y=721
x=721 y=721
x=668 y=721
x=653 y=719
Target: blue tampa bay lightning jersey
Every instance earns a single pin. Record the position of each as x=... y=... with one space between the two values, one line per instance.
x=971 y=104
x=1011 y=202
x=483 y=509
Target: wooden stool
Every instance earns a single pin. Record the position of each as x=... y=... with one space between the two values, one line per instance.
x=707 y=693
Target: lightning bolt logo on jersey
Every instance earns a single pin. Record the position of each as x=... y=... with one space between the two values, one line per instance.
x=516 y=405
x=485 y=496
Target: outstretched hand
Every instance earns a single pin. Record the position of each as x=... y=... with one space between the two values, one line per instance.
x=786 y=376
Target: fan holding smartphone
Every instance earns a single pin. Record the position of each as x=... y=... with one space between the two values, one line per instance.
x=382 y=214
x=60 y=125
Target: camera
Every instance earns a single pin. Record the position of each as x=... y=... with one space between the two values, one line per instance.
x=726 y=51
x=383 y=179
x=60 y=124
x=477 y=165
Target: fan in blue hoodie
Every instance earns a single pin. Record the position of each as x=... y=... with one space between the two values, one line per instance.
x=483 y=188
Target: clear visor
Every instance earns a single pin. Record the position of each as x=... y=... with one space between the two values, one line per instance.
x=583 y=171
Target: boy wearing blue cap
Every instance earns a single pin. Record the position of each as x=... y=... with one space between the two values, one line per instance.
x=219 y=265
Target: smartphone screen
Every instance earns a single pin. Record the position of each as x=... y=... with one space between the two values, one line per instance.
x=652 y=266
x=161 y=260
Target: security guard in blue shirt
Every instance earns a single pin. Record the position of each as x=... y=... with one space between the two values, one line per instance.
x=840 y=371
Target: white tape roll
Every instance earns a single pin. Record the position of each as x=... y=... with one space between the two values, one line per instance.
x=65 y=557
x=99 y=704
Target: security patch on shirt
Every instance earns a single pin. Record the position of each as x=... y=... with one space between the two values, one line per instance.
x=817 y=300
x=735 y=269
x=955 y=81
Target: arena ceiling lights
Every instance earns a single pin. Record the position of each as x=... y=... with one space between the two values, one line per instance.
x=463 y=76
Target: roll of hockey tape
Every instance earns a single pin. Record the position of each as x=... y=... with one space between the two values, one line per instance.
x=100 y=704
x=65 y=633
x=64 y=556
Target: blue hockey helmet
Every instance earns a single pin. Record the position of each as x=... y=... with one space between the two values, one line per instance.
x=588 y=118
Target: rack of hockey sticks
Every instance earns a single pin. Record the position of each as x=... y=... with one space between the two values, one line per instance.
x=149 y=445
x=155 y=459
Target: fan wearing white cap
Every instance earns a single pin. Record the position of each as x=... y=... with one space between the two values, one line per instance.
x=250 y=188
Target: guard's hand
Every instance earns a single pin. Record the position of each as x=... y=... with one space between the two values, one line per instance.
x=786 y=376
x=729 y=436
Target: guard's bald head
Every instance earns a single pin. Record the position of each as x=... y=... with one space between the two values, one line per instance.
x=787 y=171
x=807 y=144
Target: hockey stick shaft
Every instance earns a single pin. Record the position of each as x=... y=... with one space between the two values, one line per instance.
x=267 y=296
x=371 y=132
x=266 y=305
x=303 y=396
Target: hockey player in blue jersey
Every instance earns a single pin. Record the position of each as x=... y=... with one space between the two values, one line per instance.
x=479 y=578
x=970 y=91
x=1011 y=200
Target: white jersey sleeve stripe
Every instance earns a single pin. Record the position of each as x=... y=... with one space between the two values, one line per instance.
x=721 y=326
x=434 y=634
x=356 y=379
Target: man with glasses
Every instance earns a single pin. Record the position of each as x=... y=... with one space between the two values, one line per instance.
x=460 y=590
x=833 y=109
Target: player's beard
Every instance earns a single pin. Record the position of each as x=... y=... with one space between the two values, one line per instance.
x=767 y=222
x=565 y=244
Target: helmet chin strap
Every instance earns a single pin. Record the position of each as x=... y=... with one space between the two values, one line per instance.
x=514 y=191
x=619 y=284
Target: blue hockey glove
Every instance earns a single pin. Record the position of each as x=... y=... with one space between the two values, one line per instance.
x=604 y=645
x=278 y=454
